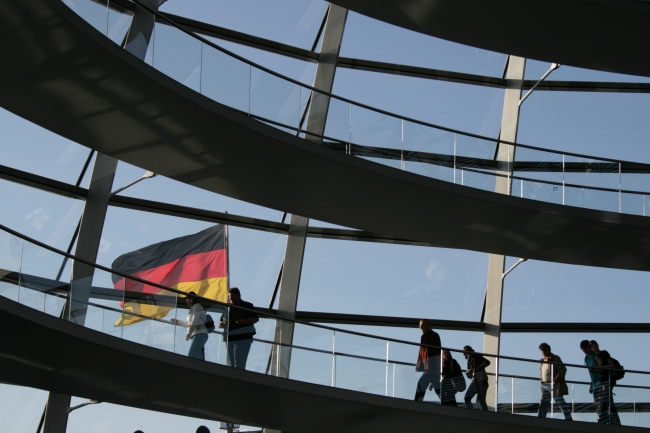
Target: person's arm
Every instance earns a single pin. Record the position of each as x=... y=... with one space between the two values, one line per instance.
x=251 y=316
x=559 y=370
x=607 y=360
x=484 y=363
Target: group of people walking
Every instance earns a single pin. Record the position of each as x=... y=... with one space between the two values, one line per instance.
x=445 y=376
x=237 y=325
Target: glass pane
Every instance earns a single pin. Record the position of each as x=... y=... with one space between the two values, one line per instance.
x=21 y=408
x=404 y=281
x=167 y=190
x=376 y=137
x=178 y=55
x=11 y=248
x=337 y=126
x=591 y=183
x=360 y=363
x=475 y=162
x=429 y=151
x=275 y=99
x=312 y=355
x=371 y=39
x=225 y=79
x=538 y=175
x=119 y=22
x=33 y=149
x=293 y=22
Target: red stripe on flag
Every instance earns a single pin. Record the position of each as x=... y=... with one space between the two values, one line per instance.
x=195 y=267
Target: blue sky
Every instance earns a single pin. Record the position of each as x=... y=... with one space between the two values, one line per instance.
x=343 y=276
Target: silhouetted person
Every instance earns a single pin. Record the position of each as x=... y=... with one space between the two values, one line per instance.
x=605 y=395
x=552 y=376
x=476 y=365
x=239 y=329
x=202 y=429
x=452 y=379
x=428 y=361
x=196 y=329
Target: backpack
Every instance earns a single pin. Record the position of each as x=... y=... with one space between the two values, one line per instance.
x=617 y=375
x=209 y=324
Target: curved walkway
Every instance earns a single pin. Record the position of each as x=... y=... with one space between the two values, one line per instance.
x=70 y=359
x=62 y=74
x=608 y=35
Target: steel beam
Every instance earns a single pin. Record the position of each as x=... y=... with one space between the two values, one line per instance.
x=56 y=413
x=496 y=265
x=137 y=41
x=288 y=298
x=325 y=71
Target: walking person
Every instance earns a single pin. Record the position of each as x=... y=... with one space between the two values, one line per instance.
x=597 y=374
x=239 y=329
x=196 y=329
x=452 y=379
x=476 y=365
x=606 y=396
x=428 y=361
x=552 y=375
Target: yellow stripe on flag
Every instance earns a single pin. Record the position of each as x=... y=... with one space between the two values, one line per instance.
x=211 y=288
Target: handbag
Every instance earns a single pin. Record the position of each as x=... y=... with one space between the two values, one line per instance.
x=458 y=384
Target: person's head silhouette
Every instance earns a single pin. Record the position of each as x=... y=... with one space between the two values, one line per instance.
x=203 y=429
x=138 y=431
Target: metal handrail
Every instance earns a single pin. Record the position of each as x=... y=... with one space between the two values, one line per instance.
x=359 y=104
x=278 y=317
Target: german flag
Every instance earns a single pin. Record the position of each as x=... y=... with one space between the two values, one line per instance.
x=196 y=263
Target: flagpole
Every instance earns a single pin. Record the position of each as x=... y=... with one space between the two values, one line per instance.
x=227 y=257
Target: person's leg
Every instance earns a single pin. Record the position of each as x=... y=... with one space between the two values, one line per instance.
x=242 y=349
x=447 y=392
x=421 y=388
x=434 y=370
x=469 y=395
x=544 y=402
x=613 y=412
x=197 y=346
x=564 y=407
x=231 y=353
x=482 y=394
x=601 y=410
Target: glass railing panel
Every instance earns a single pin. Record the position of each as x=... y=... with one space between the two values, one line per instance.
x=429 y=151
x=402 y=377
x=635 y=195
x=361 y=364
x=39 y=271
x=592 y=183
x=10 y=265
x=640 y=406
x=146 y=312
x=312 y=358
x=225 y=79
x=538 y=175
x=377 y=137
x=634 y=203
x=177 y=55
x=119 y=22
x=475 y=163
x=275 y=99
x=521 y=396
x=104 y=307
x=261 y=350
x=337 y=126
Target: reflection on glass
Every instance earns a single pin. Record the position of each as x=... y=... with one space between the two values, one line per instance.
x=225 y=79
x=275 y=99
x=178 y=55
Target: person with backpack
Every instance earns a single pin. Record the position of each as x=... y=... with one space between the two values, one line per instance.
x=609 y=378
x=195 y=323
x=552 y=375
x=452 y=379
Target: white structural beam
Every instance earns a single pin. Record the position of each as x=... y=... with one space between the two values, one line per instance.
x=496 y=264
